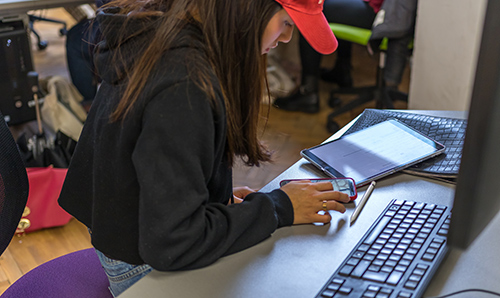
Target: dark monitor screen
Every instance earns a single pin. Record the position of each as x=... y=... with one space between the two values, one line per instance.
x=477 y=194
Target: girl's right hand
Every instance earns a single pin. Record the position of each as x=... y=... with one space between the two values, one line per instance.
x=307 y=199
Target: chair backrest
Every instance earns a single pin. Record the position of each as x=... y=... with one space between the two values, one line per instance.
x=14 y=185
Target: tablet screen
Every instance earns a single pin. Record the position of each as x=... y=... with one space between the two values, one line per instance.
x=373 y=152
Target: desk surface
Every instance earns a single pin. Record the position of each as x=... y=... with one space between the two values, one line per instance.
x=296 y=261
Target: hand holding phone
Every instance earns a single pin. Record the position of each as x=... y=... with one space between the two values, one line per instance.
x=344 y=185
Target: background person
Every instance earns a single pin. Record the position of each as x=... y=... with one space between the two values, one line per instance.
x=357 y=13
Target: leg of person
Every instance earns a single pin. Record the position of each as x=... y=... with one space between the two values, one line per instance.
x=396 y=58
x=341 y=71
x=306 y=97
x=121 y=275
x=355 y=13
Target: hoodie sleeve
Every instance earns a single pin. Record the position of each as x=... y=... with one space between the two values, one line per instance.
x=181 y=224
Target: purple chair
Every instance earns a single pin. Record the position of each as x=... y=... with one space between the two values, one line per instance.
x=76 y=275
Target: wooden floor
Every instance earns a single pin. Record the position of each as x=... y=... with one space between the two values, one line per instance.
x=286 y=133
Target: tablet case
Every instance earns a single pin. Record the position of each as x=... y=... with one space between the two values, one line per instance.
x=447 y=131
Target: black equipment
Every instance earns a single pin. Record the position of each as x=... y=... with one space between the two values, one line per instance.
x=16 y=96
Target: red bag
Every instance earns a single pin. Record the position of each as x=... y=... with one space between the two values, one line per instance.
x=45 y=187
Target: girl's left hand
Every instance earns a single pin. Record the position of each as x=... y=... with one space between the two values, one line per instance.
x=239 y=193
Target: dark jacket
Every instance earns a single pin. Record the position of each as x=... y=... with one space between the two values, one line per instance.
x=396 y=19
x=154 y=188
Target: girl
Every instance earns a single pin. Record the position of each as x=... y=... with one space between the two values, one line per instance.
x=179 y=101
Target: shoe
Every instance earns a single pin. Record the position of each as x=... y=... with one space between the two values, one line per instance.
x=341 y=78
x=307 y=102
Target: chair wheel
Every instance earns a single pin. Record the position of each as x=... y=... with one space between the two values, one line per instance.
x=63 y=31
x=331 y=125
x=42 y=45
x=334 y=101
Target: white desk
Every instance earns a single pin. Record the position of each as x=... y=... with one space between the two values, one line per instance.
x=296 y=261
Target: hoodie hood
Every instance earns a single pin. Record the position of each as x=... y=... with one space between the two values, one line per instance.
x=123 y=37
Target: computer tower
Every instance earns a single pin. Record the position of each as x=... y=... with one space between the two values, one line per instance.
x=16 y=96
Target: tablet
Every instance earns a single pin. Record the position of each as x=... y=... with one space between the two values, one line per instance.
x=374 y=152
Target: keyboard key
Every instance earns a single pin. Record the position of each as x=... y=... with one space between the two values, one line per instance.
x=376 y=231
x=373 y=288
x=334 y=286
x=375 y=268
x=369 y=294
x=363 y=248
x=432 y=250
x=404 y=295
x=346 y=270
x=358 y=254
x=428 y=257
x=345 y=290
x=360 y=268
x=353 y=261
x=411 y=285
x=395 y=277
x=422 y=266
x=415 y=278
x=386 y=269
x=418 y=271
x=376 y=276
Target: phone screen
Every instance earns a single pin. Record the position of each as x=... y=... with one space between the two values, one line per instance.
x=344 y=185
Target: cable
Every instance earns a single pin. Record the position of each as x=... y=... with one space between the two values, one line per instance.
x=468 y=290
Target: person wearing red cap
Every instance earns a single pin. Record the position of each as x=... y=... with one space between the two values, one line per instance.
x=182 y=84
x=357 y=13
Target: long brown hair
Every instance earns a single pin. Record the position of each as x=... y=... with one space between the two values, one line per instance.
x=232 y=31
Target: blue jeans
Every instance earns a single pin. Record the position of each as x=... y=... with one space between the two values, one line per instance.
x=121 y=275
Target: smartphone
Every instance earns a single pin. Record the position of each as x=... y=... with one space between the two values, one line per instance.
x=345 y=185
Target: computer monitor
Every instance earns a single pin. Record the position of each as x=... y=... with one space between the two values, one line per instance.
x=477 y=194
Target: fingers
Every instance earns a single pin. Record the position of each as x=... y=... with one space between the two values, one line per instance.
x=332 y=205
x=242 y=192
x=321 y=218
x=308 y=199
x=327 y=191
x=323 y=186
x=333 y=195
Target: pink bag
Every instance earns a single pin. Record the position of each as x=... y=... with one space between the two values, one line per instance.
x=45 y=187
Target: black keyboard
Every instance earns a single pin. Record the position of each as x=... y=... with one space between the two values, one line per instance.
x=448 y=131
x=397 y=256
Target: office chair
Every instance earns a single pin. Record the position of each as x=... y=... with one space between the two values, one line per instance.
x=77 y=12
x=378 y=92
x=42 y=44
x=78 y=274
x=14 y=186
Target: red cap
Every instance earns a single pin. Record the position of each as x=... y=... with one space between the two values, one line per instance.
x=312 y=24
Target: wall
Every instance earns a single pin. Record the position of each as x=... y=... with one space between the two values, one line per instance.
x=447 y=37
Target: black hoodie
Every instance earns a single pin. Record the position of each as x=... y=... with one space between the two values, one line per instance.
x=154 y=188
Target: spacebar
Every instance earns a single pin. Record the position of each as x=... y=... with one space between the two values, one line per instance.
x=376 y=231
